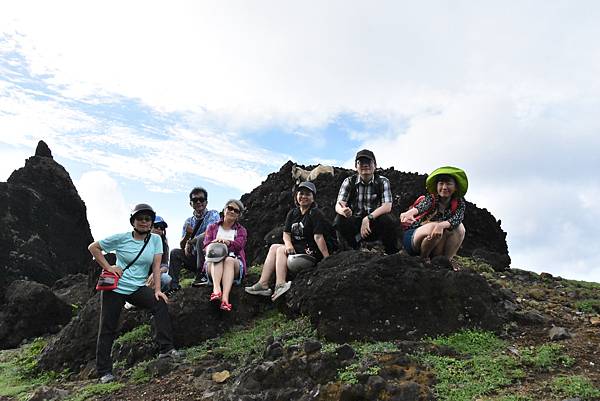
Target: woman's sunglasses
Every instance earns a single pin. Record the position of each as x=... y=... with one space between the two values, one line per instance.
x=233 y=209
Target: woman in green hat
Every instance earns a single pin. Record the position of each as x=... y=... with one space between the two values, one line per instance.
x=433 y=225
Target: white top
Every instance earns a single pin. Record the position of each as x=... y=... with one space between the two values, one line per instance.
x=226 y=234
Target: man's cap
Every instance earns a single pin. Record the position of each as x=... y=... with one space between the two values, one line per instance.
x=365 y=153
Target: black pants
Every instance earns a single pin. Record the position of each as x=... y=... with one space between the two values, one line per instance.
x=112 y=304
x=382 y=228
x=178 y=261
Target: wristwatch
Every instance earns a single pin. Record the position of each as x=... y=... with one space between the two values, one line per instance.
x=370 y=217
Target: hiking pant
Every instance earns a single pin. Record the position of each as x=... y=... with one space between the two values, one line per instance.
x=178 y=261
x=110 y=311
x=382 y=228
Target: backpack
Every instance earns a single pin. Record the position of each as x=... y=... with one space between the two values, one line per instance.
x=453 y=207
x=353 y=189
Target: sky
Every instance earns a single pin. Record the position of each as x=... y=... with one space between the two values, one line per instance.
x=141 y=101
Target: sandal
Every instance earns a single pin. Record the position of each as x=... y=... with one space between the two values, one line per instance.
x=216 y=296
x=258 y=289
x=226 y=306
x=281 y=289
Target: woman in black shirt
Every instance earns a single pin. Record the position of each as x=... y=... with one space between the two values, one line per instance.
x=303 y=234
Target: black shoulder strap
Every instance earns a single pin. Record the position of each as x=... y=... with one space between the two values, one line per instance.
x=198 y=224
x=146 y=240
x=353 y=188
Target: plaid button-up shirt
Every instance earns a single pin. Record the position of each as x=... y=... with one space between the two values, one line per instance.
x=366 y=199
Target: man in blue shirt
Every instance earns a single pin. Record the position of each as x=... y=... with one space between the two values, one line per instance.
x=364 y=206
x=190 y=255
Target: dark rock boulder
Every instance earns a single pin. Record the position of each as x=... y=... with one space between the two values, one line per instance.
x=269 y=203
x=45 y=229
x=356 y=295
x=73 y=289
x=30 y=309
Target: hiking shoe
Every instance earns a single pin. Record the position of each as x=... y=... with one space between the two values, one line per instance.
x=281 y=289
x=172 y=353
x=129 y=306
x=107 y=378
x=258 y=289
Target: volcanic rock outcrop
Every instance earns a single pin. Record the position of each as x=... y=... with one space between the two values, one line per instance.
x=45 y=232
x=357 y=295
x=268 y=204
x=30 y=309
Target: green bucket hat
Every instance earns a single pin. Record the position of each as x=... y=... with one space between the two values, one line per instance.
x=459 y=176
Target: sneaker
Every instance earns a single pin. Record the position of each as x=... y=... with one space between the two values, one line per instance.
x=258 y=289
x=201 y=282
x=281 y=289
x=172 y=353
x=129 y=306
x=107 y=378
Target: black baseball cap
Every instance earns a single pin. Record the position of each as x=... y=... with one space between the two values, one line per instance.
x=367 y=154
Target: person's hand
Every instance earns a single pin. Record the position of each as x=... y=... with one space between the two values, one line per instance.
x=437 y=231
x=160 y=295
x=407 y=218
x=189 y=229
x=188 y=250
x=346 y=211
x=116 y=270
x=365 y=227
x=289 y=250
x=150 y=280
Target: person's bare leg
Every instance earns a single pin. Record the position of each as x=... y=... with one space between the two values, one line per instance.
x=420 y=242
x=454 y=240
x=216 y=273
x=280 y=266
x=269 y=265
x=231 y=269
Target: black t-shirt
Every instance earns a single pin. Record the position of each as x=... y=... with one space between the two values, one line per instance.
x=302 y=229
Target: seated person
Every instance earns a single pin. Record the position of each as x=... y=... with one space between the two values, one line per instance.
x=226 y=265
x=190 y=255
x=304 y=230
x=433 y=225
x=363 y=206
x=160 y=227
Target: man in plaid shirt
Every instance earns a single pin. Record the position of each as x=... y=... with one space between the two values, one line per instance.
x=363 y=206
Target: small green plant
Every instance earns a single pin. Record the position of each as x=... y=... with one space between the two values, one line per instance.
x=575 y=386
x=471 y=342
x=349 y=374
x=588 y=305
x=139 y=334
x=139 y=373
x=186 y=282
x=546 y=357
x=97 y=389
x=255 y=269
x=475 y=265
x=364 y=354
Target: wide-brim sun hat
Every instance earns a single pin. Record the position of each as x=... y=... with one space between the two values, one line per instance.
x=460 y=177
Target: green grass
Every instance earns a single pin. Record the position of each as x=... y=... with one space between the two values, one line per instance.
x=18 y=370
x=239 y=343
x=478 y=266
x=482 y=369
x=546 y=357
x=588 y=305
x=139 y=373
x=139 y=334
x=575 y=386
x=255 y=269
x=366 y=364
x=92 y=390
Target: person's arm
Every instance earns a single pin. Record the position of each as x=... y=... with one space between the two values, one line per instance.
x=158 y=294
x=287 y=241
x=321 y=244
x=341 y=204
x=459 y=214
x=96 y=251
x=239 y=242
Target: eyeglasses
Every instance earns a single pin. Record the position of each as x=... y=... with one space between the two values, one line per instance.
x=363 y=161
x=233 y=209
x=198 y=200
x=143 y=217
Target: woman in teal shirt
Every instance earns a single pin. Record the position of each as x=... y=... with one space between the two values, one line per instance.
x=132 y=286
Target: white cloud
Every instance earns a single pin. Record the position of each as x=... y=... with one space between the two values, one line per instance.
x=107 y=210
